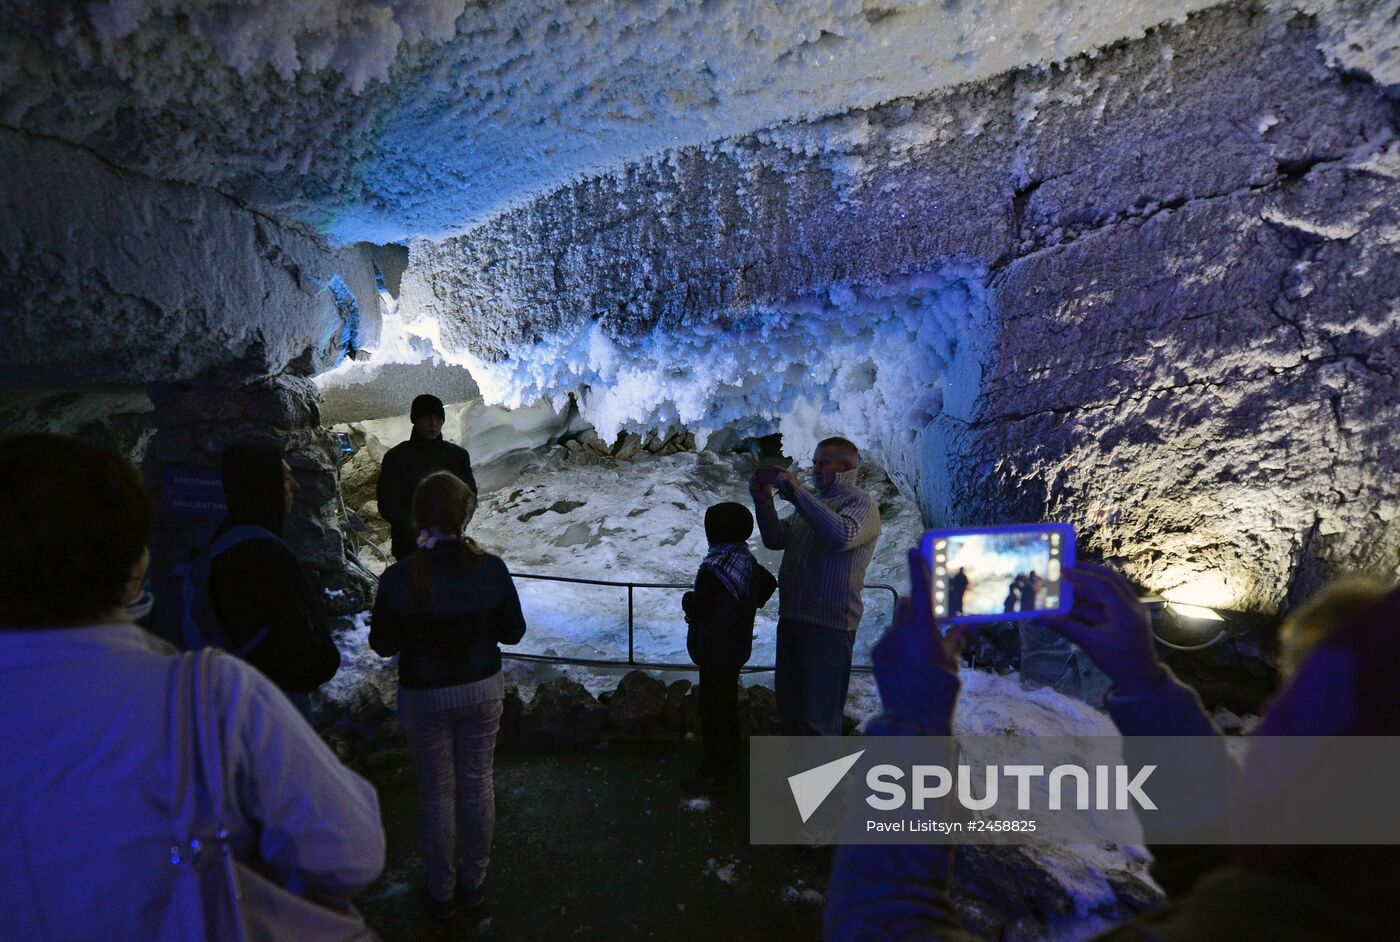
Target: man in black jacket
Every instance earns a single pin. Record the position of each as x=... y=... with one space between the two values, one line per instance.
x=409 y=462
x=257 y=588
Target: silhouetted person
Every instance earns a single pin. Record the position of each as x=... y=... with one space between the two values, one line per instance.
x=258 y=589
x=1031 y=591
x=1319 y=617
x=1013 y=594
x=730 y=587
x=408 y=463
x=827 y=545
x=102 y=720
x=957 y=588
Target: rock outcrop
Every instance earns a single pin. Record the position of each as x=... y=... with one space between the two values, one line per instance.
x=641 y=707
x=193 y=424
x=114 y=277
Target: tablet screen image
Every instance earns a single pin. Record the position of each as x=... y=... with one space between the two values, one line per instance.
x=999 y=573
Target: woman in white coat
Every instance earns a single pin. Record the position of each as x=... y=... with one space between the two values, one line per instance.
x=108 y=733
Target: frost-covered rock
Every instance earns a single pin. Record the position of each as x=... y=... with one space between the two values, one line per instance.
x=636 y=710
x=118 y=418
x=384 y=120
x=113 y=277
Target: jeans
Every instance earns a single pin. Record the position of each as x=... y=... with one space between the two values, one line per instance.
x=812 y=678
x=452 y=751
x=719 y=720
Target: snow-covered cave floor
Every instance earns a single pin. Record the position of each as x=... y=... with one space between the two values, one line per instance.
x=643 y=521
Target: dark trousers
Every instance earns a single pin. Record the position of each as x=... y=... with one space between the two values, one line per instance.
x=813 y=675
x=719 y=720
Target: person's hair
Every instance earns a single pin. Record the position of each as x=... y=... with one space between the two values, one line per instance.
x=845 y=444
x=74 y=519
x=444 y=503
x=1309 y=624
x=251 y=475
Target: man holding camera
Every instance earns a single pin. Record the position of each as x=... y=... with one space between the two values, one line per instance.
x=827 y=545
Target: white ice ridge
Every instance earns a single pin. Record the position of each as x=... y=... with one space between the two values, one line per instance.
x=873 y=362
x=1358 y=35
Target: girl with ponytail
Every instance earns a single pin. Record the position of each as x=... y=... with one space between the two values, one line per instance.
x=445 y=610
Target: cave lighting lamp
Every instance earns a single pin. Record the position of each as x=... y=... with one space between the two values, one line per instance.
x=1193 y=612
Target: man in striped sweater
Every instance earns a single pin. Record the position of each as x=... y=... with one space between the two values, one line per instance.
x=827 y=545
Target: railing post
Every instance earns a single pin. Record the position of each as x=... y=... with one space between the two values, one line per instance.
x=630 y=658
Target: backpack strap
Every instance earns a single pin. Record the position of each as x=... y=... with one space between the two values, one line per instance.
x=205 y=903
x=239 y=534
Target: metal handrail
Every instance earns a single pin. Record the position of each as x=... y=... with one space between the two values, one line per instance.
x=631 y=652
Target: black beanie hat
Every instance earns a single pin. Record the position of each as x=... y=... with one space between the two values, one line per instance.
x=427 y=404
x=728 y=523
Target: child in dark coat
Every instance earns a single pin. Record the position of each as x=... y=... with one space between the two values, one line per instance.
x=729 y=588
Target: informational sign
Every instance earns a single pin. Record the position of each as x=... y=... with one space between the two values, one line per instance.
x=193 y=492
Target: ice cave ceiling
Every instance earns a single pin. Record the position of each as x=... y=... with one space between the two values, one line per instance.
x=1133 y=265
x=388 y=121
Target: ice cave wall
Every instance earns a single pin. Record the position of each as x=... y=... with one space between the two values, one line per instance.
x=115 y=277
x=1154 y=291
x=1151 y=289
